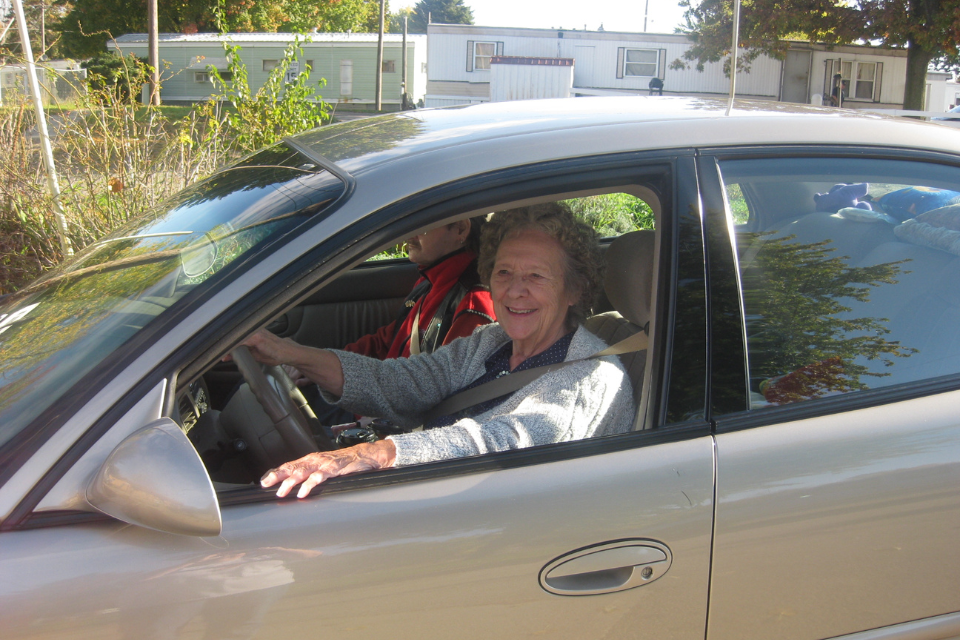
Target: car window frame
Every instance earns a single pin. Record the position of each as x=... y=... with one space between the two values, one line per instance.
x=713 y=190
x=345 y=249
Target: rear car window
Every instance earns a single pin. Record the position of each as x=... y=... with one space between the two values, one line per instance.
x=850 y=273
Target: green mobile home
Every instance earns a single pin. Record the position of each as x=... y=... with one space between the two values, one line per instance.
x=347 y=61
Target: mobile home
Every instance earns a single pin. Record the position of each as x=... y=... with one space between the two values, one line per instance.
x=463 y=67
x=346 y=61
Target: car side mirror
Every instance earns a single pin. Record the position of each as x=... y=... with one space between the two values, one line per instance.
x=155 y=479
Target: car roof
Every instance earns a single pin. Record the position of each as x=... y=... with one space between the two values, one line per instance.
x=612 y=124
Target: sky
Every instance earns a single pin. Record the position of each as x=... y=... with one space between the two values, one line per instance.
x=615 y=15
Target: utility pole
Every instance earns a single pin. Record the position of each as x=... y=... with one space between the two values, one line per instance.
x=153 y=51
x=46 y=150
x=646 y=12
x=403 y=62
x=43 y=29
x=380 y=56
x=733 y=54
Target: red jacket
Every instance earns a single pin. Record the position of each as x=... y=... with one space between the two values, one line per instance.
x=443 y=317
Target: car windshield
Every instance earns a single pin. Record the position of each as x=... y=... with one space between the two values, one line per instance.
x=55 y=331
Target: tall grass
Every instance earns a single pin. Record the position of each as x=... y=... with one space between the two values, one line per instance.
x=117 y=158
x=28 y=240
x=114 y=160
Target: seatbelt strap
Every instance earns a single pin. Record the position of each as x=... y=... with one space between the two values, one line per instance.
x=510 y=383
x=415 y=335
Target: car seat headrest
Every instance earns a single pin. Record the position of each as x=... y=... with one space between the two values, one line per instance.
x=629 y=277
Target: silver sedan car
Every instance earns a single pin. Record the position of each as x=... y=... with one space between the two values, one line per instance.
x=794 y=467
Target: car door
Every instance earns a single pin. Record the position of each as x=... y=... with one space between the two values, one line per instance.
x=603 y=538
x=838 y=439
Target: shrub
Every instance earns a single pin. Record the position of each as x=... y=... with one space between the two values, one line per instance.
x=278 y=109
x=121 y=76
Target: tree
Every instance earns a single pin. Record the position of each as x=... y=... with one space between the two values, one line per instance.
x=395 y=20
x=439 y=11
x=806 y=340
x=90 y=23
x=928 y=29
x=44 y=40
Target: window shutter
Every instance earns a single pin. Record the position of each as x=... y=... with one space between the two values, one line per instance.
x=876 y=82
x=663 y=64
x=499 y=48
x=469 y=55
x=620 y=52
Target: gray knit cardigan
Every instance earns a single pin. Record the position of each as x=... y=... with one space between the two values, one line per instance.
x=589 y=398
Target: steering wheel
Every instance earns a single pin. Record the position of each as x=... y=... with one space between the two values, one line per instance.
x=284 y=405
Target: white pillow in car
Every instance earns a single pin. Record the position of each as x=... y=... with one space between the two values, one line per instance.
x=856 y=214
x=937 y=229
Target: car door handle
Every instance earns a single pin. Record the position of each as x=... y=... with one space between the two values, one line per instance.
x=607 y=567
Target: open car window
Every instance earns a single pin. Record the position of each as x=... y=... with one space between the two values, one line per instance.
x=611 y=214
x=360 y=302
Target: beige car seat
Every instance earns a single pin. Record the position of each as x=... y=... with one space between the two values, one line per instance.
x=629 y=287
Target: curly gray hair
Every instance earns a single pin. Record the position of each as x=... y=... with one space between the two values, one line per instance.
x=583 y=271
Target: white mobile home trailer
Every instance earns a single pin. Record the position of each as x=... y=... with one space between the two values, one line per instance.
x=346 y=61
x=461 y=68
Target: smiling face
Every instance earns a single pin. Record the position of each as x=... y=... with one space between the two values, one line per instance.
x=529 y=291
x=428 y=247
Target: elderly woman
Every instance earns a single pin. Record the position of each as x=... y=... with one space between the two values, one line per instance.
x=543 y=268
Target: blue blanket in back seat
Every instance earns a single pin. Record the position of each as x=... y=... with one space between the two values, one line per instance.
x=910 y=202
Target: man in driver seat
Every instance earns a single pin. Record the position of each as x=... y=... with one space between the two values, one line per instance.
x=446 y=303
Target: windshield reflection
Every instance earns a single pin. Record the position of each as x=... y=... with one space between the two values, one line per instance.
x=57 y=330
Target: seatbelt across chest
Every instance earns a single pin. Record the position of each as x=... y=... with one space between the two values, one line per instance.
x=415 y=335
x=510 y=383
